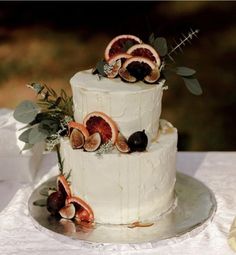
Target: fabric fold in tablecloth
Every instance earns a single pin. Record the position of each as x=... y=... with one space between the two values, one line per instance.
x=17 y=165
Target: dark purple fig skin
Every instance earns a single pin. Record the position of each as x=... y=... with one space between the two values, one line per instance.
x=138 y=141
x=55 y=202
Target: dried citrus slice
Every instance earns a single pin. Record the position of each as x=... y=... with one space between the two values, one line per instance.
x=145 y=50
x=122 y=56
x=80 y=206
x=136 y=68
x=120 y=44
x=63 y=186
x=78 y=126
x=103 y=124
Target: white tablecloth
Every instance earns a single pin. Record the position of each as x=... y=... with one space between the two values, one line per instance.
x=216 y=169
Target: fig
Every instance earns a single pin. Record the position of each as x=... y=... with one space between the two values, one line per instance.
x=93 y=142
x=153 y=76
x=67 y=212
x=121 y=144
x=138 y=141
x=112 y=68
x=76 y=139
x=80 y=207
x=125 y=75
x=55 y=202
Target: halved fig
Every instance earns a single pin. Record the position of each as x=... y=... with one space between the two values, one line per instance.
x=93 y=142
x=153 y=76
x=67 y=212
x=76 y=139
x=80 y=206
x=63 y=186
x=112 y=68
x=125 y=75
x=75 y=125
x=121 y=144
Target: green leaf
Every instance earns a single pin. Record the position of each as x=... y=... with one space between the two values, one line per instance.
x=40 y=202
x=100 y=67
x=37 y=135
x=160 y=45
x=27 y=146
x=193 y=85
x=44 y=191
x=185 y=71
x=50 y=126
x=26 y=111
x=24 y=136
x=151 y=39
x=38 y=88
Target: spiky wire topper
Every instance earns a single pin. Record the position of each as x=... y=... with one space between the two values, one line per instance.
x=183 y=40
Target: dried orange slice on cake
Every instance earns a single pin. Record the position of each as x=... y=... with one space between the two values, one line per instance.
x=145 y=50
x=120 y=44
x=99 y=122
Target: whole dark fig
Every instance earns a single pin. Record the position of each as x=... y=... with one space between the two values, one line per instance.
x=55 y=202
x=138 y=141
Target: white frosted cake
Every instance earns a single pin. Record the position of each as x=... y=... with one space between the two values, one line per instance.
x=122 y=188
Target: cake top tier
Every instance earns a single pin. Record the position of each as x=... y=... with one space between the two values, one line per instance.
x=85 y=81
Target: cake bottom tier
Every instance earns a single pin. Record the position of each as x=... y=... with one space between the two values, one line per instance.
x=125 y=188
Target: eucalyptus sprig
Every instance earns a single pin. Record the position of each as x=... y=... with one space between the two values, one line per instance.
x=46 y=120
x=186 y=73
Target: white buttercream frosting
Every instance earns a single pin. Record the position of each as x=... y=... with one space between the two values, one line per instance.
x=124 y=188
x=133 y=107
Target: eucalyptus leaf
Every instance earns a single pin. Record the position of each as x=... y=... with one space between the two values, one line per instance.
x=27 y=146
x=193 y=85
x=37 y=135
x=26 y=111
x=151 y=39
x=160 y=45
x=38 y=88
x=100 y=67
x=40 y=202
x=44 y=191
x=185 y=71
x=50 y=126
x=24 y=136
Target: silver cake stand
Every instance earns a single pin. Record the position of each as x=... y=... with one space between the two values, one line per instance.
x=195 y=210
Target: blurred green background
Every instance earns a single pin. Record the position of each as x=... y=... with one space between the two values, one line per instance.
x=50 y=41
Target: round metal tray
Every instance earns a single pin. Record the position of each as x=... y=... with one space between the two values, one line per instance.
x=195 y=209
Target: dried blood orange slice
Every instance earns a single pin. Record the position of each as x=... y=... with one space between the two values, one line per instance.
x=103 y=124
x=75 y=125
x=145 y=50
x=120 y=56
x=136 y=68
x=63 y=186
x=120 y=44
x=83 y=210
